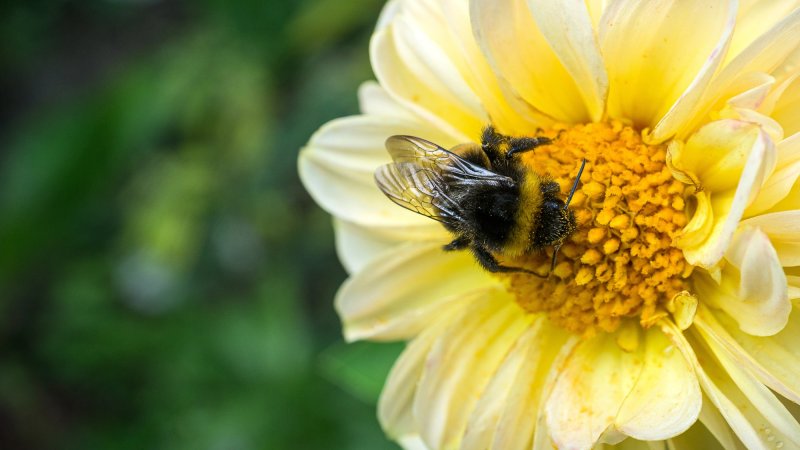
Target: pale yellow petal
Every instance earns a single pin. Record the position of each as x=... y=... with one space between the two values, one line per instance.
x=731 y=159
x=338 y=163
x=724 y=296
x=508 y=113
x=373 y=100
x=666 y=398
x=505 y=416
x=523 y=415
x=412 y=442
x=774 y=360
x=752 y=90
x=460 y=365
x=754 y=412
x=596 y=9
x=357 y=245
x=793 y=278
x=389 y=11
x=632 y=444
x=656 y=74
x=787 y=108
x=482 y=423
x=717 y=154
x=710 y=416
x=699 y=227
x=520 y=54
x=783 y=229
x=765 y=54
x=780 y=183
x=402 y=292
x=593 y=384
x=755 y=18
x=567 y=27
x=423 y=80
x=752 y=288
x=395 y=411
x=790 y=202
x=434 y=66
x=698 y=436
x=762 y=282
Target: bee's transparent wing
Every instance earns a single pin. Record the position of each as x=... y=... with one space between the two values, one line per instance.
x=418 y=190
x=426 y=154
x=423 y=176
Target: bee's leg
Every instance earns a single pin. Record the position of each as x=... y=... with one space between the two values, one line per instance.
x=459 y=243
x=525 y=144
x=489 y=262
x=490 y=143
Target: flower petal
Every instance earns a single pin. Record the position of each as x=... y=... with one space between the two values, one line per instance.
x=358 y=245
x=657 y=75
x=762 y=282
x=505 y=417
x=412 y=442
x=775 y=360
x=593 y=384
x=421 y=77
x=723 y=154
x=373 y=100
x=783 y=229
x=764 y=54
x=700 y=435
x=717 y=154
x=787 y=107
x=755 y=295
x=401 y=293
x=666 y=398
x=460 y=365
x=521 y=55
x=753 y=412
x=755 y=18
x=567 y=27
x=710 y=415
x=780 y=183
x=508 y=113
x=395 y=411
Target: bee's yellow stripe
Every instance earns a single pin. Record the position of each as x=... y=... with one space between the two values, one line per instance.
x=530 y=202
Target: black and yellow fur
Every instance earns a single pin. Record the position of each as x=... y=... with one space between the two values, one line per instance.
x=505 y=209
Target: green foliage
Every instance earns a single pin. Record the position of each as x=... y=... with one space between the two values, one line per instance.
x=165 y=281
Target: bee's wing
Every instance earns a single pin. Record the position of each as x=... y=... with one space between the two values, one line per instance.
x=426 y=154
x=418 y=190
x=423 y=175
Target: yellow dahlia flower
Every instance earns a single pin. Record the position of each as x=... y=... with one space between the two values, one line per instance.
x=669 y=317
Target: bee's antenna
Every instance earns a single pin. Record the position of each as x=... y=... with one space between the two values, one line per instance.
x=555 y=255
x=575 y=184
x=569 y=199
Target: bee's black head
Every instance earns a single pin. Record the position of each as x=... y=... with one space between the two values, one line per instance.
x=556 y=224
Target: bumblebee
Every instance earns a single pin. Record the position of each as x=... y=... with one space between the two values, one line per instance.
x=482 y=194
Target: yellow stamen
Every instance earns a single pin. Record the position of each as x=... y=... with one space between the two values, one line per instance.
x=621 y=262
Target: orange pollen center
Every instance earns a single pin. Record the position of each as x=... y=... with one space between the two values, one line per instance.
x=621 y=261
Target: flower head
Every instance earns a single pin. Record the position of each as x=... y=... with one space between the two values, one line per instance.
x=669 y=314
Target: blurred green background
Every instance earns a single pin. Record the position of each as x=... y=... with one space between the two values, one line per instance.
x=165 y=281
